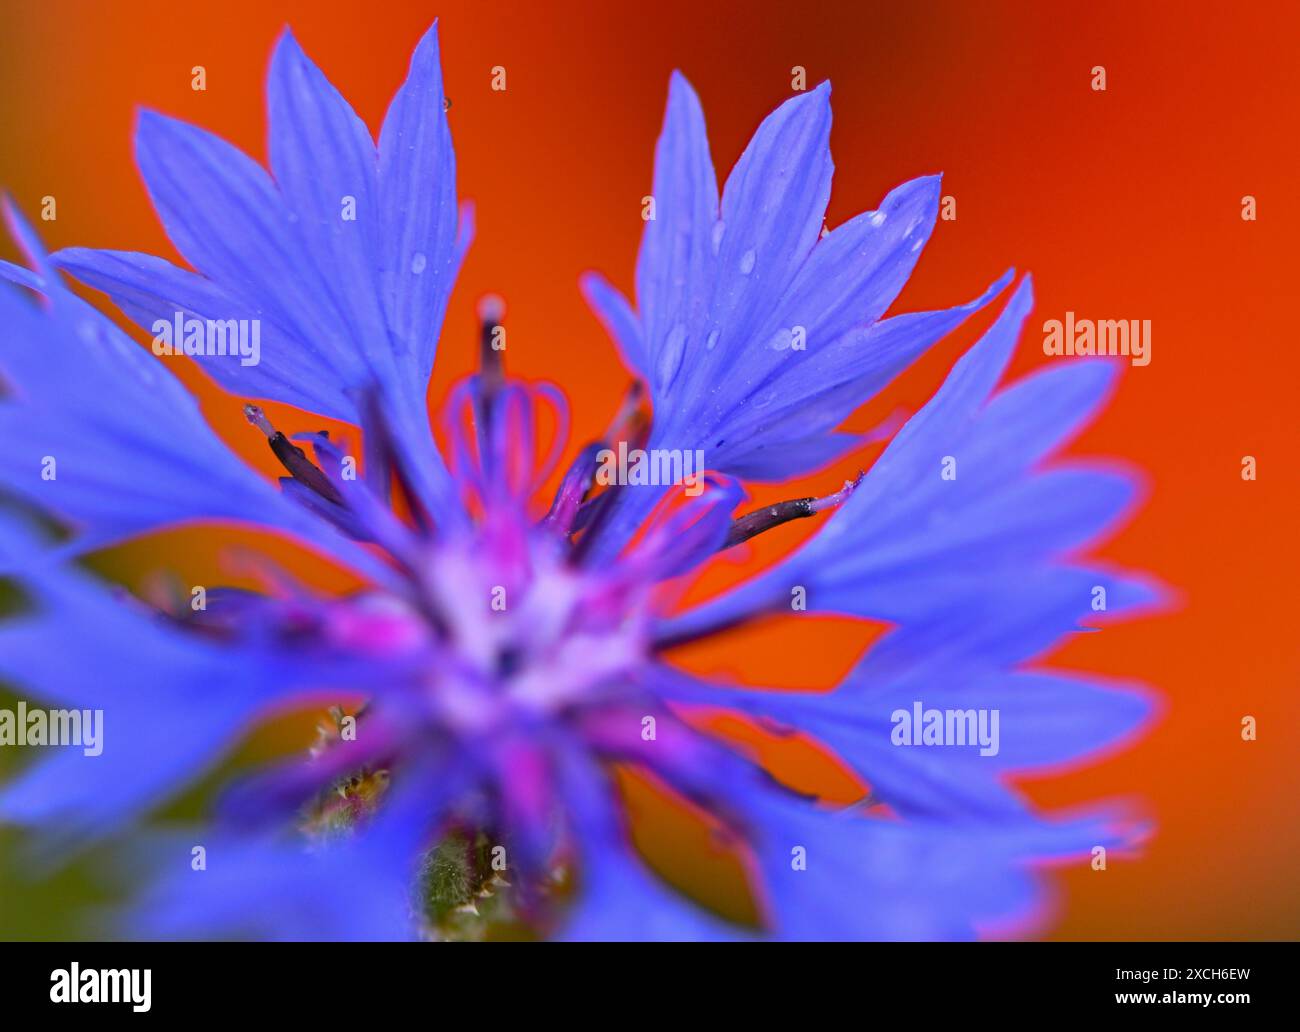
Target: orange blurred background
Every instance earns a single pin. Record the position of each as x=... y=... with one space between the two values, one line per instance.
x=1125 y=204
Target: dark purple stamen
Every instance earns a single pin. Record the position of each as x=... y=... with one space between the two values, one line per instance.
x=491 y=361
x=760 y=520
x=631 y=423
x=293 y=458
x=574 y=488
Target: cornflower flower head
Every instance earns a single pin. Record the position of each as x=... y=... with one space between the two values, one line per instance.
x=510 y=655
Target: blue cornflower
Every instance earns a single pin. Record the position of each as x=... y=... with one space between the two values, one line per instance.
x=512 y=658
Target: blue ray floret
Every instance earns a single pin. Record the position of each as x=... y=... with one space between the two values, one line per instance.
x=757 y=333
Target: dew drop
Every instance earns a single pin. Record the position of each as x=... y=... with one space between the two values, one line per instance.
x=781 y=340
x=446 y=103
x=877 y=218
x=719 y=228
x=712 y=341
x=670 y=360
x=418 y=262
x=747 y=262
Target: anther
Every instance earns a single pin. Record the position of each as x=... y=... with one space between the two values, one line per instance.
x=632 y=421
x=255 y=415
x=491 y=310
x=754 y=523
x=293 y=458
x=574 y=489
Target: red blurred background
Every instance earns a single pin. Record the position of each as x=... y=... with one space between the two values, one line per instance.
x=1125 y=204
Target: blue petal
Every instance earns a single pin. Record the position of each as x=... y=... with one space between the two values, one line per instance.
x=347 y=306
x=172 y=703
x=854 y=274
x=263 y=889
x=1044 y=720
x=1050 y=718
x=675 y=267
x=131 y=449
x=772 y=210
x=956 y=866
x=774 y=460
x=1017 y=617
x=841 y=877
x=357 y=887
x=619 y=320
x=951 y=553
x=959 y=660
x=912 y=542
x=322 y=155
x=422 y=243
x=816 y=391
x=619 y=899
x=832 y=303
x=758 y=339
x=771 y=213
x=225 y=215
x=150 y=290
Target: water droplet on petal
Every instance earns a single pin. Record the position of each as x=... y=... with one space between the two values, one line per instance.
x=712 y=342
x=781 y=340
x=670 y=359
x=719 y=228
x=418 y=262
x=877 y=218
x=747 y=262
x=446 y=103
